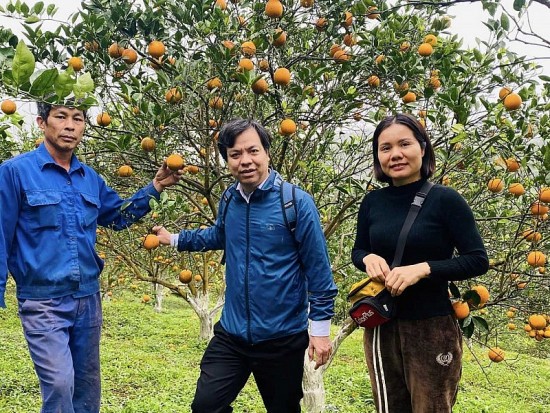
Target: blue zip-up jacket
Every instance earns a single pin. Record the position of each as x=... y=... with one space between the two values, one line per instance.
x=48 y=221
x=271 y=274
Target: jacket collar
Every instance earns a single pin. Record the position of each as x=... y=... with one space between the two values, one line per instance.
x=43 y=158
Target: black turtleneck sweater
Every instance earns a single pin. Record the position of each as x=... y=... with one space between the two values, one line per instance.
x=445 y=224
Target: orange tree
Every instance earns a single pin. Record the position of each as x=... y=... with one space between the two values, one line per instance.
x=319 y=76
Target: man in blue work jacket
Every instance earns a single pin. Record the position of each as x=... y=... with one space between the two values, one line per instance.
x=50 y=206
x=278 y=275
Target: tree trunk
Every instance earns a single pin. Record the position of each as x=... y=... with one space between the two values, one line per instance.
x=312 y=383
x=159 y=296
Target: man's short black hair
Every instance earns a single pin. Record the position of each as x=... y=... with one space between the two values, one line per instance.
x=44 y=109
x=234 y=128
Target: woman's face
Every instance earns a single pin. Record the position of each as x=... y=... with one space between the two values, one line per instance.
x=400 y=154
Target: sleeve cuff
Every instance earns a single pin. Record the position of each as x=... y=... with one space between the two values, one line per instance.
x=174 y=240
x=320 y=328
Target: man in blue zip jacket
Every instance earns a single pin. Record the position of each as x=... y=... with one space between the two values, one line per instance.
x=50 y=206
x=276 y=277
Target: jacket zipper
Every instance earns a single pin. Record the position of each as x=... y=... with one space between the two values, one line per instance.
x=247 y=263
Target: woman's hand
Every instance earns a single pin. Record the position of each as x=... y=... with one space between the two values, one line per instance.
x=377 y=267
x=402 y=277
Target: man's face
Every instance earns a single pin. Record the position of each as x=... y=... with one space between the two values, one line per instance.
x=63 y=130
x=248 y=161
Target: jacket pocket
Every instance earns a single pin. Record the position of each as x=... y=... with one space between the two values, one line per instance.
x=91 y=209
x=44 y=209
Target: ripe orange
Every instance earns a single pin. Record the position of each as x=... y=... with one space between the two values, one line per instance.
x=544 y=195
x=151 y=241
x=516 y=189
x=512 y=165
x=340 y=56
x=422 y=114
x=483 y=293
x=115 y=51
x=263 y=65
x=248 y=48
x=146 y=298
x=321 y=24
x=198 y=278
x=425 y=49
x=125 y=171
x=148 y=144
x=510 y=314
x=306 y=3
x=76 y=63
x=273 y=9
x=287 y=127
x=221 y=4
x=495 y=185
x=260 y=86
x=349 y=40
x=372 y=13
x=379 y=59
x=333 y=49
x=129 y=56
x=173 y=95
x=8 y=107
x=246 y=64
x=228 y=44
x=431 y=39
x=193 y=169
x=404 y=47
x=156 y=49
x=538 y=208
x=536 y=259
x=92 y=46
x=279 y=37
x=496 y=354
x=531 y=235
x=409 y=97
x=462 y=310
x=537 y=321
x=281 y=76
x=175 y=162
x=434 y=82
x=512 y=101
x=103 y=119
x=185 y=276
x=511 y=326
x=373 y=81
x=505 y=91
x=216 y=102
x=348 y=19
x=214 y=83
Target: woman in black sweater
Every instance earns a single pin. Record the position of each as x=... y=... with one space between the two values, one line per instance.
x=415 y=360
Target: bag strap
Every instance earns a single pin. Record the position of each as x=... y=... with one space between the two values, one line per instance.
x=288 y=203
x=411 y=216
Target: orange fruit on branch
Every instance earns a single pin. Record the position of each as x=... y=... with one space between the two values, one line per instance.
x=151 y=241
x=495 y=185
x=125 y=171
x=425 y=49
x=282 y=76
x=287 y=127
x=148 y=144
x=76 y=63
x=536 y=259
x=175 y=162
x=461 y=309
x=8 y=107
x=274 y=9
x=156 y=49
x=512 y=101
x=103 y=119
x=496 y=354
x=129 y=56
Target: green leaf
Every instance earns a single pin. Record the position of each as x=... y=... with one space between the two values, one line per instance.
x=38 y=7
x=454 y=290
x=32 y=19
x=481 y=324
x=518 y=4
x=84 y=84
x=64 y=84
x=544 y=78
x=44 y=82
x=504 y=22
x=23 y=64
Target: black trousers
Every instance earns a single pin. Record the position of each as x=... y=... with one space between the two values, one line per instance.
x=277 y=366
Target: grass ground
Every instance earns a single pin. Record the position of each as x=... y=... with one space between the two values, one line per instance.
x=151 y=361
